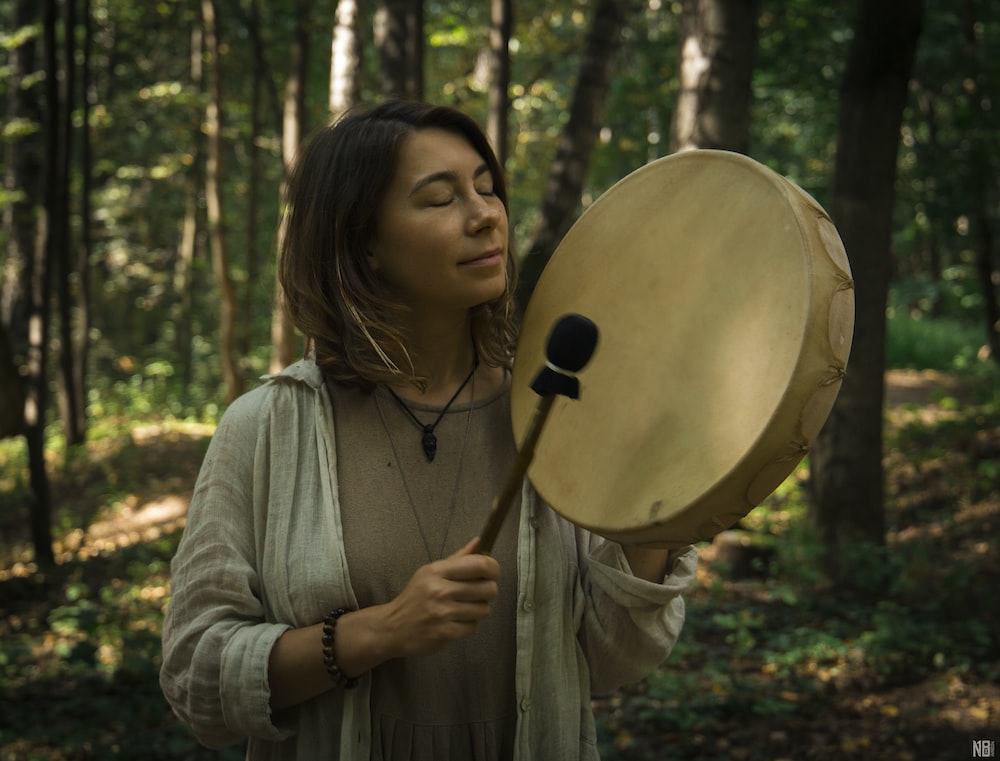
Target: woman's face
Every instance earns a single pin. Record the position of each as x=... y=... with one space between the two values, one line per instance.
x=440 y=238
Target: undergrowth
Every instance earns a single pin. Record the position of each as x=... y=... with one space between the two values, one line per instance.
x=780 y=664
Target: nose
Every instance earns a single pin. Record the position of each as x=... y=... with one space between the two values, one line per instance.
x=486 y=213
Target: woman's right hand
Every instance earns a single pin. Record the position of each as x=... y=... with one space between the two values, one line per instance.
x=443 y=601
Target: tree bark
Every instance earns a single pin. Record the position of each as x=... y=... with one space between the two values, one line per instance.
x=717 y=52
x=250 y=293
x=346 y=44
x=569 y=168
x=989 y=277
x=213 y=207
x=187 y=247
x=22 y=175
x=36 y=390
x=11 y=392
x=846 y=481
x=283 y=337
x=60 y=226
x=984 y=179
x=399 y=37
x=85 y=244
x=498 y=93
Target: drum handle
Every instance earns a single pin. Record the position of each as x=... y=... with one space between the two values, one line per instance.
x=503 y=501
x=570 y=346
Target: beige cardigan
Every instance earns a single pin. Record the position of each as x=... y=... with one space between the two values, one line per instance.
x=263 y=552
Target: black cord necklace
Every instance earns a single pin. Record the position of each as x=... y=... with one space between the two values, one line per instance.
x=428 y=440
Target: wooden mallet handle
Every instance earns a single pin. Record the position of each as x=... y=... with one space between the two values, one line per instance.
x=570 y=346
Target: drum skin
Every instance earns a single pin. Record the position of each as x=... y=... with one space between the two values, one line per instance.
x=725 y=305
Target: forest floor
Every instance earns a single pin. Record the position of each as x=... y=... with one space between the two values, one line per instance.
x=773 y=662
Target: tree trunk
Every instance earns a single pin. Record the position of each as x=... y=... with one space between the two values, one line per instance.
x=213 y=208
x=36 y=391
x=569 y=168
x=984 y=179
x=11 y=392
x=989 y=277
x=283 y=338
x=399 y=37
x=846 y=460
x=498 y=97
x=84 y=245
x=22 y=174
x=250 y=292
x=188 y=246
x=345 y=59
x=717 y=52
x=59 y=227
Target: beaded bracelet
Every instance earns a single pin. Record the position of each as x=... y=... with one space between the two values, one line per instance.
x=340 y=679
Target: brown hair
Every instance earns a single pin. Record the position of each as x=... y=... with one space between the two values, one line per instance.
x=348 y=317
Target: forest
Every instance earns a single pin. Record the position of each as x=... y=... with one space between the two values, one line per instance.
x=852 y=615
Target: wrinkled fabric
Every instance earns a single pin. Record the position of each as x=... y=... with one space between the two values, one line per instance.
x=401 y=512
x=263 y=552
x=403 y=741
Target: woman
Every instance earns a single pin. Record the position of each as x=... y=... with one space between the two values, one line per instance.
x=328 y=601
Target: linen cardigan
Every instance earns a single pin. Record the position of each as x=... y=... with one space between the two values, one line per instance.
x=262 y=552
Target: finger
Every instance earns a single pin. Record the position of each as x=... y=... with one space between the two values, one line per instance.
x=475 y=591
x=468 y=549
x=470 y=568
x=471 y=610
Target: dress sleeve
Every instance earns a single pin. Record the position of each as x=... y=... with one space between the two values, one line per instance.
x=628 y=625
x=216 y=643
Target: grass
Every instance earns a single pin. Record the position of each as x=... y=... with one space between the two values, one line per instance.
x=780 y=665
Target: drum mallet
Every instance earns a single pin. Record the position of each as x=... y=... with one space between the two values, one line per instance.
x=570 y=346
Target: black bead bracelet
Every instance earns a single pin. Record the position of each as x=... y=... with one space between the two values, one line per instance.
x=340 y=679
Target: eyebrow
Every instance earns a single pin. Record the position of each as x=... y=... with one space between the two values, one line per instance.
x=447 y=176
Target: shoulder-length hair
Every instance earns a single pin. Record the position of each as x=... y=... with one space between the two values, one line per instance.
x=350 y=320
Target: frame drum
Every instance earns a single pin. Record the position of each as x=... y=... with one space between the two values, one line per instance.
x=725 y=305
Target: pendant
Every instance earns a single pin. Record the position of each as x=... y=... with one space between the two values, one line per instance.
x=429 y=442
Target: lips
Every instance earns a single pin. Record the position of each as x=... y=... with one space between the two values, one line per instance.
x=491 y=257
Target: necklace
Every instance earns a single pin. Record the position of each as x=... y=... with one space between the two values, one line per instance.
x=428 y=440
x=458 y=473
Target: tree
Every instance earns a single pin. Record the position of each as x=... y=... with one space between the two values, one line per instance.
x=399 y=37
x=21 y=178
x=293 y=127
x=498 y=98
x=11 y=392
x=36 y=395
x=345 y=58
x=717 y=51
x=569 y=168
x=81 y=353
x=846 y=459
x=188 y=244
x=214 y=206
x=71 y=404
x=981 y=160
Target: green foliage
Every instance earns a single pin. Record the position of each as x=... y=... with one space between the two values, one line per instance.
x=79 y=668
x=932 y=344
x=788 y=655
x=800 y=60
x=146 y=129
